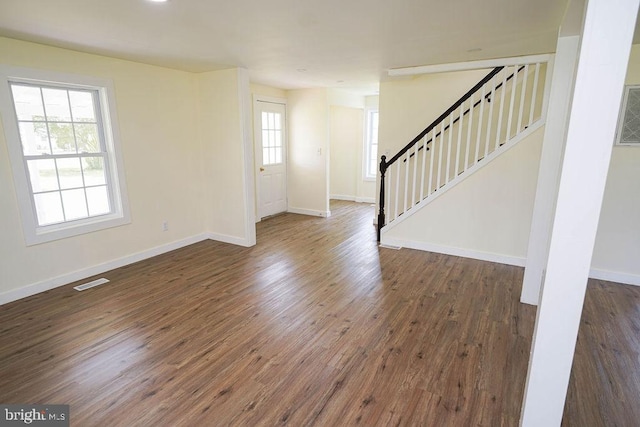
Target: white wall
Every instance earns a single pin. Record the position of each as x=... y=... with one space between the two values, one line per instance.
x=157 y=113
x=308 y=172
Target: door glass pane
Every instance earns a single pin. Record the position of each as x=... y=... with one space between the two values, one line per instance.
x=271 y=138
x=278 y=138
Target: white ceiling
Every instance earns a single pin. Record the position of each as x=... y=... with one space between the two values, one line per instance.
x=291 y=43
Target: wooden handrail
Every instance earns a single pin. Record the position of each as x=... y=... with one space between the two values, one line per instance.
x=444 y=115
x=457 y=119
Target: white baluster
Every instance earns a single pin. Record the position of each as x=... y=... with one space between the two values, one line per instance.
x=406 y=179
x=441 y=148
x=505 y=72
x=535 y=93
x=469 y=126
x=431 y=156
x=415 y=172
x=424 y=163
x=481 y=107
x=523 y=93
x=514 y=83
x=460 y=119
x=490 y=121
x=449 y=143
x=397 y=188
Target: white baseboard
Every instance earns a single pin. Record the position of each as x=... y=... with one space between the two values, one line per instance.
x=365 y=199
x=342 y=197
x=324 y=214
x=614 y=276
x=598 y=274
x=224 y=238
x=449 y=250
x=65 y=279
x=353 y=198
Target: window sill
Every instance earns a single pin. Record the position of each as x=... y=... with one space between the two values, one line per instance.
x=75 y=228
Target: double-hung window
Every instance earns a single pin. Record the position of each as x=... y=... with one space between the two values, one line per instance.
x=67 y=168
x=371 y=146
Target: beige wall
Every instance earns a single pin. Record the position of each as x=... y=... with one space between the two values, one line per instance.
x=408 y=106
x=221 y=98
x=183 y=141
x=617 y=247
x=490 y=212
x=346 y=138
x=308 y=172
x=156 y=110
x=262 y=90
x=347 y=133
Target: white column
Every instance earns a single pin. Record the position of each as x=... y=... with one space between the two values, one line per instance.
x=604 y=53
x=564 y=68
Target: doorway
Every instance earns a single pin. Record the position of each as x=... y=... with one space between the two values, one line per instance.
x=271 y=157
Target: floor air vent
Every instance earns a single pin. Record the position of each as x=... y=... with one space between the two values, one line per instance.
x=91 y=284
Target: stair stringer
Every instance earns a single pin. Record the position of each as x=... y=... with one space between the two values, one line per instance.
x=457 y=180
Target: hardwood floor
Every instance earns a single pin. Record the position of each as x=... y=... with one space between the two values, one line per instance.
x=315 y=325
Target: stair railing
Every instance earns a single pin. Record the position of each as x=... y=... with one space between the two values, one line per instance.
x=459 y=140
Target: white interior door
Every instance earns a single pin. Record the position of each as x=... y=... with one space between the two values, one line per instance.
x=271 y=158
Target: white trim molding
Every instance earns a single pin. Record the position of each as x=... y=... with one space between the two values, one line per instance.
x=233 y=240
x=106 y=117
x=469 y=65
x=615 y=276
x=450 y=250
x=65 y=279
x=311 y=212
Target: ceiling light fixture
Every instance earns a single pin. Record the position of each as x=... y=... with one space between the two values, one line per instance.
x=158 y=1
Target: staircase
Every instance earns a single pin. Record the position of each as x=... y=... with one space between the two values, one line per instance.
x=502 y=109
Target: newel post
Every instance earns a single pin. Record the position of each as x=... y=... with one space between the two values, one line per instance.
x=381 y=218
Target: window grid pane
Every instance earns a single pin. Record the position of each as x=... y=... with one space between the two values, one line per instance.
x=371 y=166
x=271 y=138
x=59 y=127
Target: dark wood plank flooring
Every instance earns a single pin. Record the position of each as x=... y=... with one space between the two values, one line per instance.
x=315 y=325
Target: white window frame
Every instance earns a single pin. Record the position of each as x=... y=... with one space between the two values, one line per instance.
x=114 y=167
x=368 y=143
x=622 y=117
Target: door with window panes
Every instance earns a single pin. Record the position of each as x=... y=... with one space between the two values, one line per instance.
x=271 y=155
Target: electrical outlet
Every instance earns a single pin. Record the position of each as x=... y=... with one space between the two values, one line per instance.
x=165 y=226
